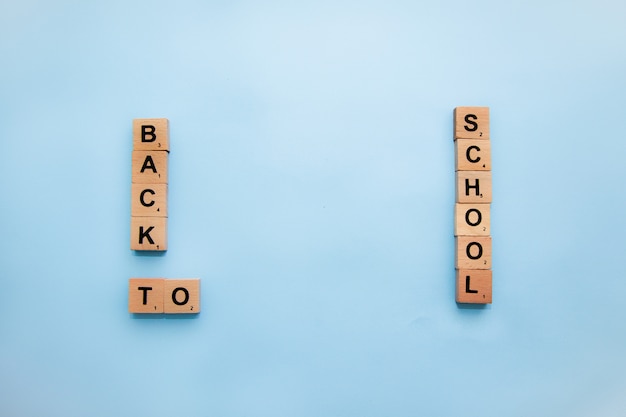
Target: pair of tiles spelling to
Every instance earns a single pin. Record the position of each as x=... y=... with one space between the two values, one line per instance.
x=472 y=210
x=151 y=147
x=159 y=295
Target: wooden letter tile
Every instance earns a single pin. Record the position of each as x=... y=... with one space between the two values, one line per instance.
x=473 y=286
x=151 y=135
x=149 y=167
x=473 y=187
x=473 y=252
x=472 y=155
x=149 y=200
x=145 y=295
x=471 y=123
x=182 y=296
x=472 y=219
x=148 y=233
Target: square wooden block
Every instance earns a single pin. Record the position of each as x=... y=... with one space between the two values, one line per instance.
x=145 y=295
x=472 y=155
x=150 y=167
x=182 y=296
x=471 y=123
x=148 y=233
x=473 y=252
x=473 y=286
x=472 y=219
x=151 y=135
x=473 y=187
x=148 y=200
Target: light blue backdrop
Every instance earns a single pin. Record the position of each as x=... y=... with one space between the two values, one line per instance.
x=312 y=191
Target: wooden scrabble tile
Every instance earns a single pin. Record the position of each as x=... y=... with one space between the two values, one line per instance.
x=151 y=135
x=473 y=186
x=148 y=233
x=145 y=295
x=149 y=167
x=472 y=155
x=471 y=123
x=182 y=296
x=473 y=252
x=473 y=286
x=148 y=200
x=472 y=219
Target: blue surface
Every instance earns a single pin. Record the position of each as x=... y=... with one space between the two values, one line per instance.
x=312 y=191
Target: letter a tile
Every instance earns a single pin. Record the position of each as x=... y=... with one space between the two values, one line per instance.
x=149 y=167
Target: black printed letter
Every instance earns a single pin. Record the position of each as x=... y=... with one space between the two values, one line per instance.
x=468 y=250
x=470 y=120
x=143 y=202
x=145 y=234
x=478 y=220
x=467 y=286
x=467 y=154
x=148 y=130
x=476 y=186
x=174 y=296
x=145 y=293
x=148 y=164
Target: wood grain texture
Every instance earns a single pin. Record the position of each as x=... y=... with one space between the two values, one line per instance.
x=150 y=167
x=472 y=219
x=471 y=123
x=473 y=252
x=474 y=286
x=151 y=135
x=472 y=155
x=148 y=233
x=148 y=200
x=473 y=187
x=145 y=295
x=182 y=296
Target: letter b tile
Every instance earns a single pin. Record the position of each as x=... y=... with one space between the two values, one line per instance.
x=151 y=135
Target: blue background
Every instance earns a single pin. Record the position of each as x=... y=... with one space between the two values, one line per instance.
x=312 y=191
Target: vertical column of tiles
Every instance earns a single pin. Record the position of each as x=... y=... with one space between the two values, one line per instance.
x=148 y=225
x=472 y=211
